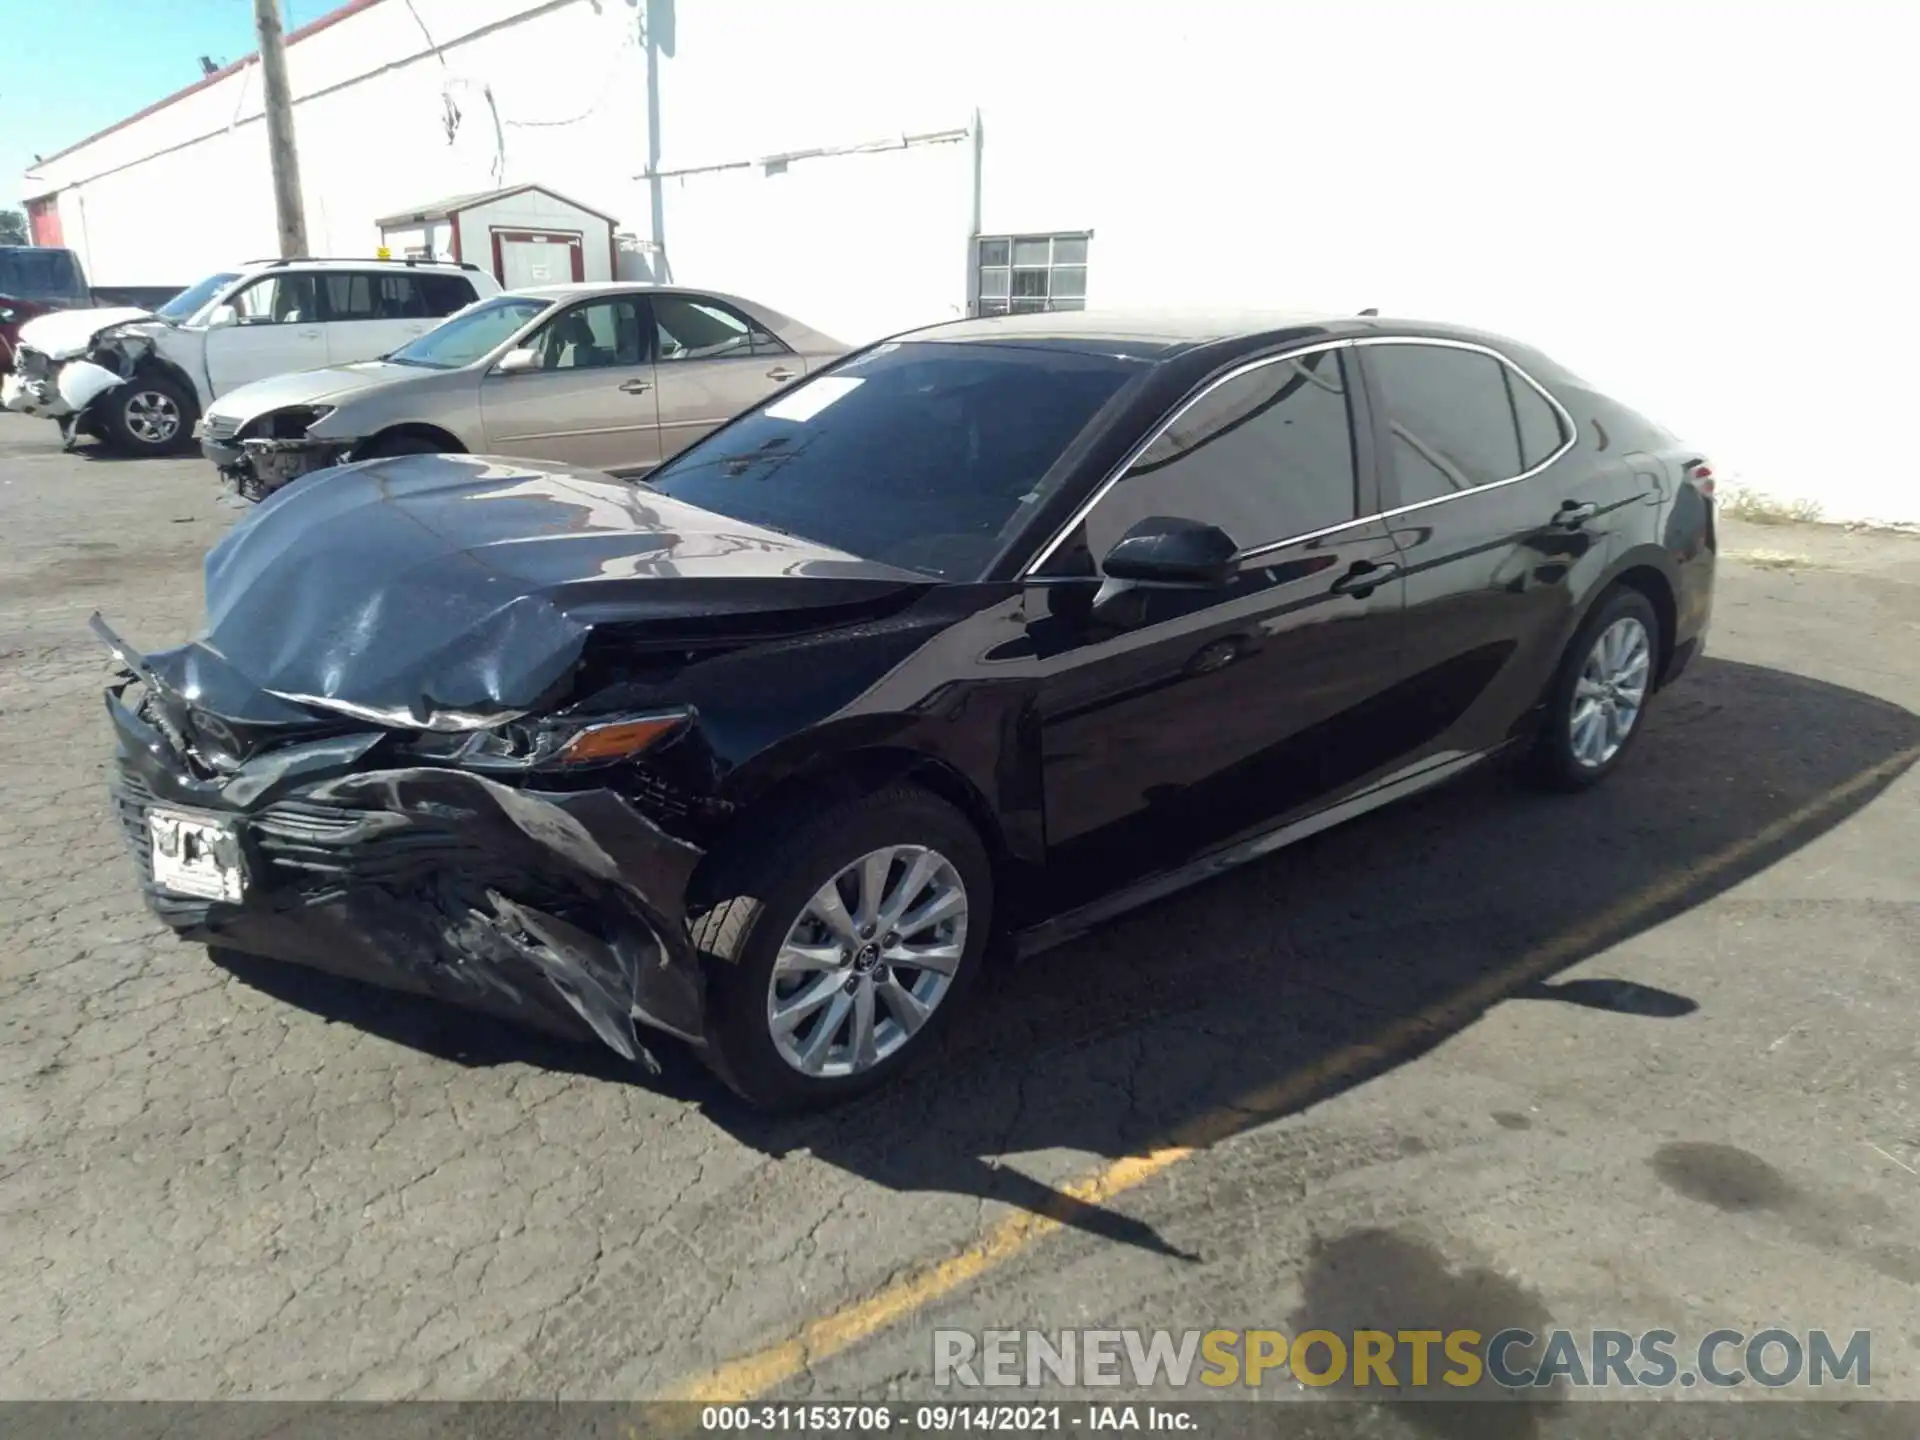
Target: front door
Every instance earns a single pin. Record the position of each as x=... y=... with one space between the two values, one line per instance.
x=712 y=363
x=1174 y=720
x=277 y=328
x=590 y=399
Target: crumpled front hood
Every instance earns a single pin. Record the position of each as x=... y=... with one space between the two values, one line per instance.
x=64 y=334
x=309 y=387
x=451 y=592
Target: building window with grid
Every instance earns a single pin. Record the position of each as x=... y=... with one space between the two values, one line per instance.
x=1018 y=274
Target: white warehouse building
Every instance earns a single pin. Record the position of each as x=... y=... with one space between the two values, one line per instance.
x=1700 y=205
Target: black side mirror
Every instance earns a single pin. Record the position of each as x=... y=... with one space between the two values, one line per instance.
x=1164 y=550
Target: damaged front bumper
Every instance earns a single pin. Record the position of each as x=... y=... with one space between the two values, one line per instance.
x=254 y=468
x=54 y=391
x=562 y=910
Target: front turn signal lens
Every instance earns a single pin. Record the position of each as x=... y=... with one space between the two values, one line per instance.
x=618 y=739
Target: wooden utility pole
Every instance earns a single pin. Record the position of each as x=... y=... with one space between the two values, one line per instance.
x=280 y=149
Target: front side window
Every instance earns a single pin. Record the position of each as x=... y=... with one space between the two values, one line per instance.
x=1023 y=274
x=1266 y=456
x=925 y=456
x=467 y=338
x=594 y=336
x=279 y=300
x=1460 y=419
x=691 y=329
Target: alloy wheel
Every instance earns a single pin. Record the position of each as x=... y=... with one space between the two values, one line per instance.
x=1611 y=690
x=153 y=417
x=870 y=957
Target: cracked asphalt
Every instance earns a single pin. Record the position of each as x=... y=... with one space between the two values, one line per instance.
x=1652 y=1062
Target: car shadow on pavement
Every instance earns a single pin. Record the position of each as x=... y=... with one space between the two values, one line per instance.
x=1270 y=988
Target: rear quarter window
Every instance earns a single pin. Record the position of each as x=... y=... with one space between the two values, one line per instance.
x=446 y=293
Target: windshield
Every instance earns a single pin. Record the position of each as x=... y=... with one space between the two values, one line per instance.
x=465 y=337
x=921 y=455
x=188 y=302
x=33 y=272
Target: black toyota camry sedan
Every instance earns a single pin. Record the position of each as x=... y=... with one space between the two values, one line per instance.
x=994 y=629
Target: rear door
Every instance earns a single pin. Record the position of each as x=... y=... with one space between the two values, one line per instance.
x=277 y=329
x=711 y=362
x=1175 y=721
x=1501 y=524
x=590 y=400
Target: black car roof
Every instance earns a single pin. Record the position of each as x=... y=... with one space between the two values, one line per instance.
x=1199 y=336
x=1149 y=333
x=1163 y=335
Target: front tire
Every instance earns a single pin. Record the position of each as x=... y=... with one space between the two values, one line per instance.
x=148 y=415
x=1597 y=707
x=843 y=946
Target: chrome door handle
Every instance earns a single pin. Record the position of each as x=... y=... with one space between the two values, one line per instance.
x=636 y=387
x=1365 y=576
x=781 y=373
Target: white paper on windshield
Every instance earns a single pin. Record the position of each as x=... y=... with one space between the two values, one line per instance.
x=813 y=397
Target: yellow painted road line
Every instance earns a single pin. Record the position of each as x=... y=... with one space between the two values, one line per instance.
x=753 y=1375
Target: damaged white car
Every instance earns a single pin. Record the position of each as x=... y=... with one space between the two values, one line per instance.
x=615 y=377
x=138 y=379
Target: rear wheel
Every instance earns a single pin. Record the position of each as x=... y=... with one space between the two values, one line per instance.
x=148 y=415
x=845 y=944
x=1598 y=704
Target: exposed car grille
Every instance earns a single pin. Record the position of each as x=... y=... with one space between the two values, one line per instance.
x=655 y=799
x=295 y=820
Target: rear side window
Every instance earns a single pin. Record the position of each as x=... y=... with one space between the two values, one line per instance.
x=1266 y=456
x=1460 y=419
x=41 y=273
x=392 y=295
x=1539 y=425
x=695 y=328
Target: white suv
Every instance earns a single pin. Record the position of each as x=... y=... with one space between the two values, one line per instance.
x=140 y=378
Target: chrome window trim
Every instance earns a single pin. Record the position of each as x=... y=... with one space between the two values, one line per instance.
x=1569 y=437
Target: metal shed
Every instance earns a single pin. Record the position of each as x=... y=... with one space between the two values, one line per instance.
x=526 y=235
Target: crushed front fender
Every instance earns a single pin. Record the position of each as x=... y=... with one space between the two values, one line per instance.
x=562 y=910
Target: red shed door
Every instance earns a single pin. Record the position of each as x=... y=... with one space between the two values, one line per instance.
x=537 y=257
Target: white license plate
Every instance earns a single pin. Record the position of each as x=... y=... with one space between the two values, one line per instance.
x=194 y=856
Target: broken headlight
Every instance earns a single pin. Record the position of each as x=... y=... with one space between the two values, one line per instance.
x=553 y=744
x=291 y=423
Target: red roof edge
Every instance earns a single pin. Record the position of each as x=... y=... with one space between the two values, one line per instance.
x=312 y=27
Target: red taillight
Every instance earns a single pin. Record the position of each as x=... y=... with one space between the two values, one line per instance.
x=1701 y=474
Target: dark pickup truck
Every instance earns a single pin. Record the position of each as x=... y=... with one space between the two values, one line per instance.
x=37 y=278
